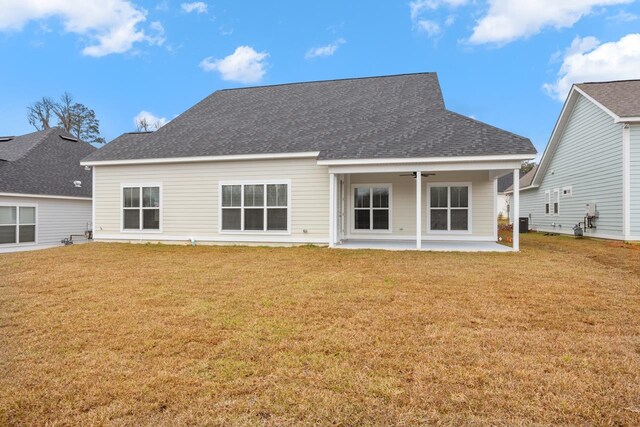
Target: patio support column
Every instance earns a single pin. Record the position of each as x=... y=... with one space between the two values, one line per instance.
x=418 y=210
x=332 y=209
x=516 y=210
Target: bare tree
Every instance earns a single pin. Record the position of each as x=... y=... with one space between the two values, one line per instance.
x=73 y=117
x=39 y=113
x=143 y=125
x=63 y=110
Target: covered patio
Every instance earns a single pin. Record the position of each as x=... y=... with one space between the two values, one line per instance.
x=435 y=205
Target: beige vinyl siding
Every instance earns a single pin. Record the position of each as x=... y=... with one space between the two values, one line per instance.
x=635 y=182
x=403 y=214
x=56 y=218
x=589 y=159
x=190 y=199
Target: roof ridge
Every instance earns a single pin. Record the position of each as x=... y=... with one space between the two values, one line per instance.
x=328 y=81
x=609 y=81
x=170 y=124
x=44 y=134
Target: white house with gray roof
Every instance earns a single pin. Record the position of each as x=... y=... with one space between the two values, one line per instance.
x=589 y=174
x=368 y=162
x=45 y=195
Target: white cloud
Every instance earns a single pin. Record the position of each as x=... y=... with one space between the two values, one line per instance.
x=623 y=16
x=432 y=28
x=111 y=26
x=509 y=20
x=586 y=60
x=417 y=7
x=154 y=122
x=245 y=65
x=196 y=6
x=422 y=11
x=324 y=51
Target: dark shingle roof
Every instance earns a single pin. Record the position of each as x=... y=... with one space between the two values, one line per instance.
x=621 y=97
x=399 y=116
x=525 y=180
x=14 y=147
x=506 y=181
x=45 y=163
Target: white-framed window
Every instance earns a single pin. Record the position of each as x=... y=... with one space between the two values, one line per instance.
x=141 y=207
x=449 y=207
x=255 y=207
x=552 y=202
x=18 y=224
x=567 y=191
x=371 y=207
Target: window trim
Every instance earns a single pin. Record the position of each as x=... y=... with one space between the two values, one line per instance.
x=469 y=230
x=547 y=203
x=551 y=197
x=264 y=182
x=140 y=185
x=353 y=208
x=17 y=224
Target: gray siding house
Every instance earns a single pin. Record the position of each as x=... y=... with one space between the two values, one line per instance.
x=369 y=162
x=590 y=171
x=45 y=195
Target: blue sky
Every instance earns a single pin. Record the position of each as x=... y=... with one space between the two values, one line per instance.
x=508 y=63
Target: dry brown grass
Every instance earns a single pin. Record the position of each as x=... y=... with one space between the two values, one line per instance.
x=168 y=335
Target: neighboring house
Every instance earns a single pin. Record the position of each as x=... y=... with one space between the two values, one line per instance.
x=45 y=195
x=328 y=162
x=590 y=171
x=504 y=183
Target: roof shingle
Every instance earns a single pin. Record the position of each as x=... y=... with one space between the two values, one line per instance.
x=45 y=163
x=401 y=116
x=621 y=97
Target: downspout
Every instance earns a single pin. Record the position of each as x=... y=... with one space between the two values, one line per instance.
x=626 y=181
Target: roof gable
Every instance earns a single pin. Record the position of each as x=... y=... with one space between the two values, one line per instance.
x=400 y=116
x=603 y=92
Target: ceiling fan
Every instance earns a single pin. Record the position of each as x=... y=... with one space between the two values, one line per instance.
x=413 y=174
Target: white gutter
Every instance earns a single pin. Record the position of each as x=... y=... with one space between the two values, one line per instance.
x=452 y=159
x=234 y=157
x=43 y=196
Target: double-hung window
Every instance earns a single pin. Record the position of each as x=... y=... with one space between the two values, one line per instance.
x=552 y=202
x=17 y=224
x=449 y=207
x=372 y=207
x=255 y=207
x=141 y=207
